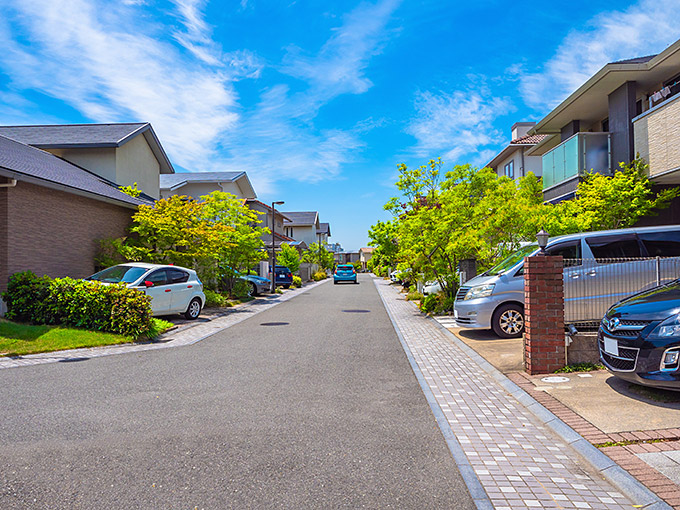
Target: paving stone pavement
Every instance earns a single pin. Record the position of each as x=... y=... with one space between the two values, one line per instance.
x=520 y=463
x=186 y=336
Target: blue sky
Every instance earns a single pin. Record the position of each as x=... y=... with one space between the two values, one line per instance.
x=318 y=101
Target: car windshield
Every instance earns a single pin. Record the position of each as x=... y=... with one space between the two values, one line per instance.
x=117 y=274
x=512 y=260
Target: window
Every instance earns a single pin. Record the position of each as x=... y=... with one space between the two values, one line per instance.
x=177 y=276
x=661 y=244
x=157 y=278
x=570 y=250
x=510 y=169
x=614 y=246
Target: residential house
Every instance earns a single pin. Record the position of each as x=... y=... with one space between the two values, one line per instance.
x=323 y=233
x=302 y=226
x=53 y=213
x=123 y=154
x=513 y=161
x=197 y=184
x=627 y=107
x=365 y=255
x=267 y=221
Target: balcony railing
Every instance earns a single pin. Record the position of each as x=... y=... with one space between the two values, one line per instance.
x=582 y=153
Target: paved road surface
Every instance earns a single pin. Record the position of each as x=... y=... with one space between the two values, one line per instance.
x=321 y=412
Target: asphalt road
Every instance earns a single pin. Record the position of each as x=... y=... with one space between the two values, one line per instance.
x=322 y=411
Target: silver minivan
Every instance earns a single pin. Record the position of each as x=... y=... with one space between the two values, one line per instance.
x=495 y=299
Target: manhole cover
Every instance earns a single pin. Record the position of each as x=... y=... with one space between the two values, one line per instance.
x=357 y=311
x=274 y=323
x=555 y=379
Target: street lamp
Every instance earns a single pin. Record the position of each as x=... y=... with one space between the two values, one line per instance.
x=542 y=238
x=272 y=265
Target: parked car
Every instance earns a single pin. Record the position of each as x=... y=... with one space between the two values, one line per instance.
x=172 y=289
x=256 y=284
x=495 y=299
x=639 y=338
x=344 y=273
x=284 y=276
x=393 y=276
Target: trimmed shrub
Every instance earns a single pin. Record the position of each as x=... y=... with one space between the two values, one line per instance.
x=297 y=281
x=436 y=303
x=319 y=275
x=214 y=299
x=414 y=296
x=78 y=303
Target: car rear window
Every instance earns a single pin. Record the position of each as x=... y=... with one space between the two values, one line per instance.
x=177 y=276
x=614 y=246
x=661 y=244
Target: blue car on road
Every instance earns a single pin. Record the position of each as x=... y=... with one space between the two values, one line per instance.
x=344 y=273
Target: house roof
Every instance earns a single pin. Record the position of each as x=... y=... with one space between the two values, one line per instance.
x=522 y=141
x=176 y=181
x=255 y=201
x=366 y=250
x=83 y=136
x=589 y=103
x=324 y=228
x=26 y=163
x=302 y=218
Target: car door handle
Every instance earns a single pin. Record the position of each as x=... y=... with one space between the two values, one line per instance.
x=168 y=290
x=592 y=273
x=574 y=276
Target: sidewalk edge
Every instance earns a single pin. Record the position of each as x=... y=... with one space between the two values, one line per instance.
x=606 y=467
x=477 y=492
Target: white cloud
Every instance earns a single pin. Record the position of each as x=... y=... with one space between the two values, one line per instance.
x=643 y=29
x=458 y=124
x=340 y=65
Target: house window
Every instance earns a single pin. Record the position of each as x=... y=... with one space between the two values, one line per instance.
x=510 y=169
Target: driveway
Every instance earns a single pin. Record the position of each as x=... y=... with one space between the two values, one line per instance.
x=310 y=404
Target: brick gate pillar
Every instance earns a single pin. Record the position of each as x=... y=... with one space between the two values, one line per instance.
x=544 y=349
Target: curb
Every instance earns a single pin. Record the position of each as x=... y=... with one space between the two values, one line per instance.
x=467 y=472
x=606 y=467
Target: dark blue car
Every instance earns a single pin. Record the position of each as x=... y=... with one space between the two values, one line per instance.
x=284 y=276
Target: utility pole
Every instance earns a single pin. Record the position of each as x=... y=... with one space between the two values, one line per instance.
x=272 y=264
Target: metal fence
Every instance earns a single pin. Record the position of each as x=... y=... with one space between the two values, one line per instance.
x=591 y=286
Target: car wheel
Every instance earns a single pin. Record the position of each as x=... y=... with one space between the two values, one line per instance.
x=252 y=291
x=508 y=321
x=335 y=282
x=286 y=286
x=194 y=309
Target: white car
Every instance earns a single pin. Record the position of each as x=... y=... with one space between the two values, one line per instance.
x=172 y=289
x=432 y=287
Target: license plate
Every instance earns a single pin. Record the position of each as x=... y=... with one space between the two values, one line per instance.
x=455 y=314
x=611 y=346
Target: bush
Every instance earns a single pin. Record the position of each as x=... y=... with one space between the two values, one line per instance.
x=214 y=299
x=319 y=275
x=436 y=303
x=78 y=303
x=297 y=281
x=414 y=296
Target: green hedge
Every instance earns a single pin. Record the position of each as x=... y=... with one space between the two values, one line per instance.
x=78 y=303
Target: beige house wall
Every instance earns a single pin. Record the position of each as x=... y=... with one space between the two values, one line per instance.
x=304 y=233
x=135 y=162
x=657 y=137
x=98 y=161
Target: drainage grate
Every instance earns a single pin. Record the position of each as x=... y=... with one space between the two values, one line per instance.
x=274 y=323
x=357 y=311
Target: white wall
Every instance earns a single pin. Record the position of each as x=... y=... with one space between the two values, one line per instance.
x=98 y=161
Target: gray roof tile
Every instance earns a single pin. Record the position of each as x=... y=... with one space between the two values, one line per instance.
x=301 y=218
x=23 y=160
x=50 y=136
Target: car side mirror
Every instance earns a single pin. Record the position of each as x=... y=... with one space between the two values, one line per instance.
x=148 y=284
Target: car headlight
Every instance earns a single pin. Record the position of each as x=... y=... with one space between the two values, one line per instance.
x=669 y=327
x=479 y=291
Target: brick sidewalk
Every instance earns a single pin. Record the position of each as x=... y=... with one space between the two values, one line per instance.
x=185 y=336
x=520 y=463
x=626 y=455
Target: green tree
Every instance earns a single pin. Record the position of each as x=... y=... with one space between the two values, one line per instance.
x=318 y=254
x=289 y=257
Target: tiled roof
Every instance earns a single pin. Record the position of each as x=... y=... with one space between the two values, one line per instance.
x=50 y=136
x=19 y=160
x=324 y=228
x=636 y=60
x=301 y=218
x=528 y=140
x=172 y=180
x=64 y=136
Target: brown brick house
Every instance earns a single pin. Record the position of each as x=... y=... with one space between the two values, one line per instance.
x=53 y=213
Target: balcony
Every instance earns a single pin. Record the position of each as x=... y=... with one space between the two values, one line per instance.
x=582 y=153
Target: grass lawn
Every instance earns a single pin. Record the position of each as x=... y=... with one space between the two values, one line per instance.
x=20 y=339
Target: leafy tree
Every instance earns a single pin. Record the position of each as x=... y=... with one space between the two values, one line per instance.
x=318 y=254
x=289 y=257
x=383 y=236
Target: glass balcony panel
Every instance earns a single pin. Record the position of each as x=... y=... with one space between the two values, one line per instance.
x=596 y=153
x=548 y=172
x=583 y=152
x=571 y=166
